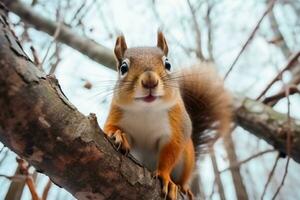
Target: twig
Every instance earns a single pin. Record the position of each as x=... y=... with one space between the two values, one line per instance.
x=57 y=57
x=199 y=52
x=288 y=143
x=80 y=8
x=29 y=180
x=270 y=6
x=46 y=190
x=56 y=33
x=270 y=177
x=272 y=100
x=293 y=60
x=218 y=180
x=209 y=30
x=14 y=178
x=36 y=57
x=54 y=38
x=2 y=149
x=247 y=159
x=186 y=50
x=213 y=189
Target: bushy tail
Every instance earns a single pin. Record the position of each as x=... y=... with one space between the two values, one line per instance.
x=208 y=104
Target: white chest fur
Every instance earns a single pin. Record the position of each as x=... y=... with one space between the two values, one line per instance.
x=147 y=129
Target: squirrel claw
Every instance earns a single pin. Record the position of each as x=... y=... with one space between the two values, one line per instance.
x=169 y=188
x=120 y=141
x=186 y=191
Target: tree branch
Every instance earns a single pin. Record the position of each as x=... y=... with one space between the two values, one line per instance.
x=267 y=124
x=86 y=46
x=40 y=124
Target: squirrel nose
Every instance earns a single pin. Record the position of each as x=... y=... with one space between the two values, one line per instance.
x=150 y=84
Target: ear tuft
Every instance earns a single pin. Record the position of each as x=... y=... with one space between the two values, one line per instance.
x=120 y=48
x=162 y=43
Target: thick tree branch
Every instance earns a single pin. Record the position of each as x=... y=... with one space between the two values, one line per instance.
x=40 y=124
x=86 y=46
x=267 y=124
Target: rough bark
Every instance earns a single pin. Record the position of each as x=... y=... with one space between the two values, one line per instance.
x=40 y=124
x=86 y=46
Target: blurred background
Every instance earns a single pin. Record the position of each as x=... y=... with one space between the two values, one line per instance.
x=196 y=30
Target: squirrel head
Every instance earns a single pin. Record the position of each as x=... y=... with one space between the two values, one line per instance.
x=145 y=77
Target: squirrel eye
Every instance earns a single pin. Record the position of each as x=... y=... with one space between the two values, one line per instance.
x=124 y=68
x=167 y=64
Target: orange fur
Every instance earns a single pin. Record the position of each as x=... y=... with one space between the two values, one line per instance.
x=197 y=96
x=111 y=125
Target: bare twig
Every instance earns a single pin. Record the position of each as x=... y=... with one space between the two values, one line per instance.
x=196 y=28
x=272 y=100
x=209 y=30
x=80 y=8
x=56 y=56
x=218 y=180
x=23 y=166
x=2 y=149
x=270 y=6
x=46 y=190
x=288 y=141
x=290 y=64
x=239 y=186
x=213 y=189
x=279 y=38
x=55 y=35
x=88 y=47
x=234 y=165
x=36 y=57
x=270 y=177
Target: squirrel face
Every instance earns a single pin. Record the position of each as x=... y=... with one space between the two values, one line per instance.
x=145 y=78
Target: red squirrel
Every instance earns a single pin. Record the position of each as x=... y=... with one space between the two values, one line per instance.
x=156 y=112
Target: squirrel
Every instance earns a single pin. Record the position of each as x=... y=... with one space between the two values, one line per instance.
x=156 y=112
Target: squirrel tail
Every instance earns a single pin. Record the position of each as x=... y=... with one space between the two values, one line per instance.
x=208 y=104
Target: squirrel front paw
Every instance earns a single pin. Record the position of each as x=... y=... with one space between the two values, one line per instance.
x=120 y=140
x=187 y=191
x=169 y=188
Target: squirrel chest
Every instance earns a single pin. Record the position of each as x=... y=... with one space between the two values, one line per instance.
x=147 y=130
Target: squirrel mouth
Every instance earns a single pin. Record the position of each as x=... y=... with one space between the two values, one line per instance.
x=149 y=98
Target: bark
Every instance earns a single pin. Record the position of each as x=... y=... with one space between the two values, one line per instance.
x=40 y=124
x=86 y=46
x=269 y=125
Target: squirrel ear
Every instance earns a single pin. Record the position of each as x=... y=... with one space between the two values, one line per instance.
x=162 y=43
x=120 y=48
